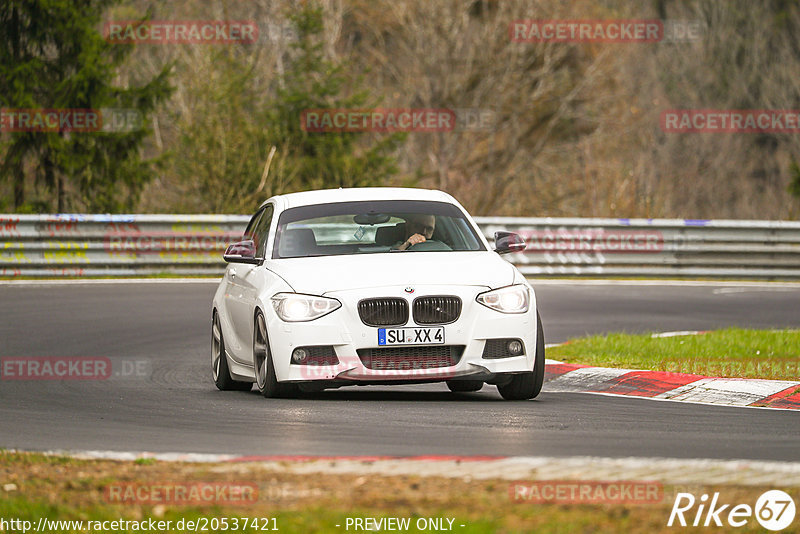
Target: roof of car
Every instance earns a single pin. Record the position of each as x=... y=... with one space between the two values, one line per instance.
x=354 y=194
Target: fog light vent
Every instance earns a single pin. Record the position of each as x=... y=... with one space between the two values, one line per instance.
x=320 y=355
x=496 y=349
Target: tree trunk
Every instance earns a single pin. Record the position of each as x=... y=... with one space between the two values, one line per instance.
x=61 y=194
x=19 y=187
x=19 y=175
x=54 y=181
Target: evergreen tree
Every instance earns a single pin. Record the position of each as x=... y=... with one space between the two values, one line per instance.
x=222 y=152
x=330 y=159
x=54 y=56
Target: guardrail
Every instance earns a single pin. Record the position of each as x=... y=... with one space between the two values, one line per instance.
x=136 y=245
x=115 y=245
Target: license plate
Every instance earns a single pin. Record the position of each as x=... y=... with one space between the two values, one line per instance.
x=411 y=336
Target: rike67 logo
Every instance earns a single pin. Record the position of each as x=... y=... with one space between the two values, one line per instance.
x=774 y=510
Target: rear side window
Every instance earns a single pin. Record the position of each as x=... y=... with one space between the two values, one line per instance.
x=258 y=229
x=251 y=226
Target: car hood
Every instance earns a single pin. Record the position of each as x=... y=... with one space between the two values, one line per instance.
x=320 y=275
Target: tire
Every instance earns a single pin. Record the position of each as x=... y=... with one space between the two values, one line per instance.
x=528 y=385
x=266 y=381
x=220 y=371
x=464 y=386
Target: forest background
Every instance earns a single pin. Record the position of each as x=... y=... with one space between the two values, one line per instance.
x=573 y=128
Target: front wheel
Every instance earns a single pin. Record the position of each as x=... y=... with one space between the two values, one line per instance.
x=266 y=381
x=220 y=371
x=528 y=385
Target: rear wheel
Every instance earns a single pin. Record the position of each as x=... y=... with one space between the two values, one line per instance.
x=464 y=386
x=219 y=362
x=266 y=381
x=528 y=385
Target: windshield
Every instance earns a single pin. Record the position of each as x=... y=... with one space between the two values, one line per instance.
x=389 y=226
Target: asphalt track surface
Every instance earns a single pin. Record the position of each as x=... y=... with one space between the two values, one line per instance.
x=174 y=406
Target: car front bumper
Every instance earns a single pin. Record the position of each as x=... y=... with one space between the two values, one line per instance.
x=346 y=333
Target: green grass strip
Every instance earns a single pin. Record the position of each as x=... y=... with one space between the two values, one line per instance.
x=733 y=352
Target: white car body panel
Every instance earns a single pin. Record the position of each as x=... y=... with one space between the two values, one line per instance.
x=376 y=270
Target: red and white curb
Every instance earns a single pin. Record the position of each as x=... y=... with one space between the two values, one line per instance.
x=779 y=394
x=701 y=472
x=698 y=389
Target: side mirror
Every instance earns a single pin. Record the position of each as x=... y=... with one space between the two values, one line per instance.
x=505 y=242
x=241 y=252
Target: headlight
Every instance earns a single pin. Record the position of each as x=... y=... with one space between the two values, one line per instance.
x=294 y=307
x=510 y=299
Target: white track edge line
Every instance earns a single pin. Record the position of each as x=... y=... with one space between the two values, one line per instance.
x=177 y=457
x=618 y=395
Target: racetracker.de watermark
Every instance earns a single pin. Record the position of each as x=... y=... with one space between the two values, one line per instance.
x=182 y=493
x=70 y=120
x=26 y=368
x=181 y=32
x=593 y=240
x=378 y=120
x=378 y=368
x=586 y=492
x=398 y=120
x=761 y=367
x=730 y=121
x=157 y=243
x=584 y=31
x=604 y=31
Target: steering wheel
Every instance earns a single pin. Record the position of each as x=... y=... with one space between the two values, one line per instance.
x=431 y=245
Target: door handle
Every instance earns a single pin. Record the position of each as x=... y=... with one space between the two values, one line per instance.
x=231 y=273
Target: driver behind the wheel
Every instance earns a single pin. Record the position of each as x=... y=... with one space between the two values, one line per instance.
x=419 y=228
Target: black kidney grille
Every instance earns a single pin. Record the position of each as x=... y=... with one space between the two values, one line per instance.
x=436 y=310
x=383 y=312
x=409 y=358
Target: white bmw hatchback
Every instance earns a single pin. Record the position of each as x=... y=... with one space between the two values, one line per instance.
x=373 y=286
